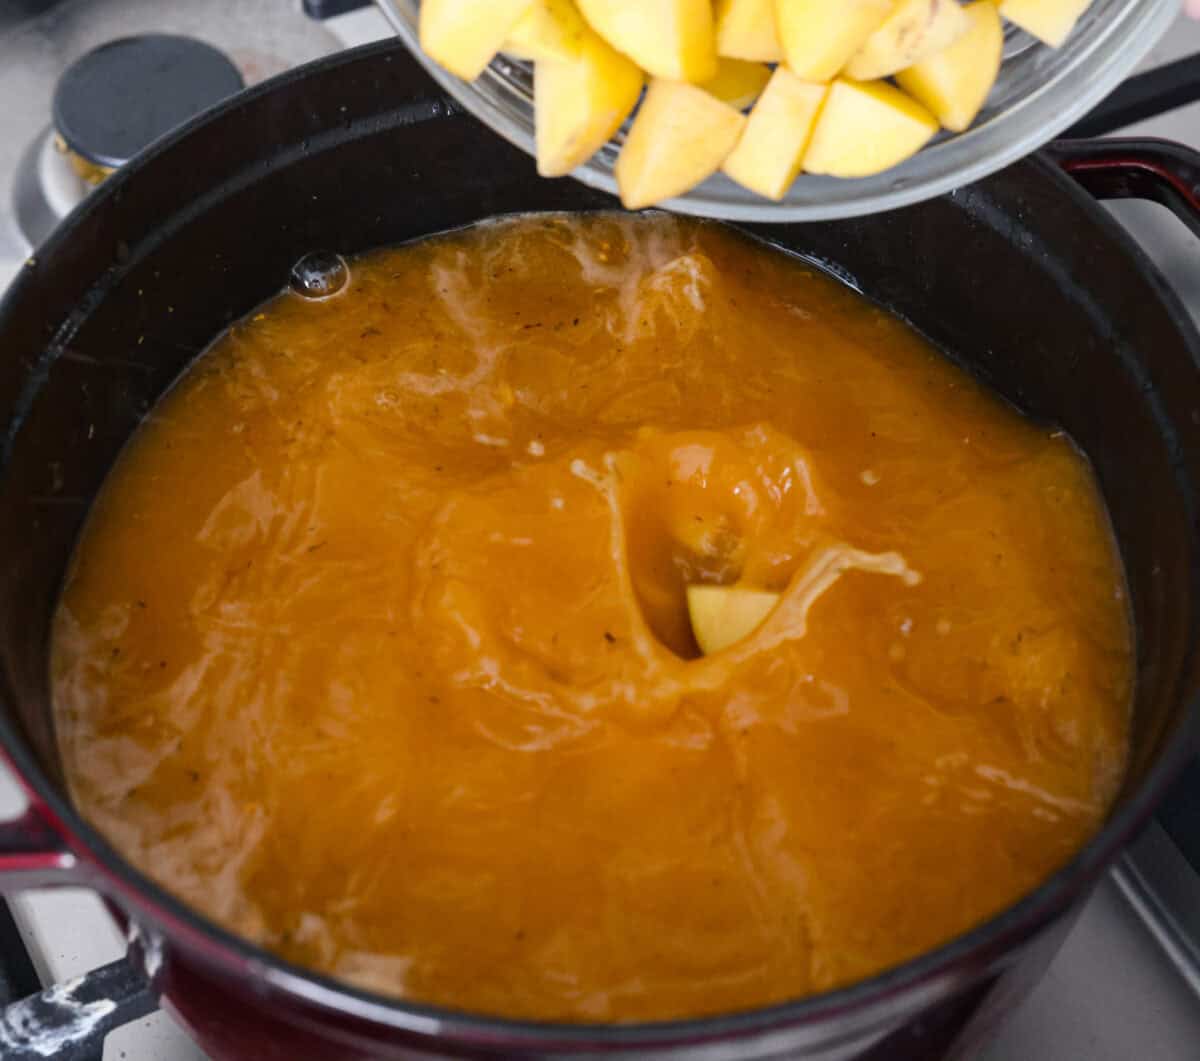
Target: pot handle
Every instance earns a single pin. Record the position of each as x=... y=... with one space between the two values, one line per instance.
x=1135 y=168
x=32 y=852
x=67 y=1021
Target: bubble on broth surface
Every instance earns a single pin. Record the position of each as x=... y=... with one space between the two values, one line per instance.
x=320 y=274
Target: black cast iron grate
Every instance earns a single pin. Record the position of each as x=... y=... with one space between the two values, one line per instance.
x=18 y=977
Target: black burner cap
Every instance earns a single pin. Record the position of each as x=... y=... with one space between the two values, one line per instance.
x=121 y=97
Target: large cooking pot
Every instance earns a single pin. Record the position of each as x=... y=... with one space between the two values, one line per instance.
x=1023 y=278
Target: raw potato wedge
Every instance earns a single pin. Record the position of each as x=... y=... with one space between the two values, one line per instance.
x=738 y=82
x=579 y=105
x=954 y=84
x=680 y=136
x=723 y=615
x=464 y=35
x=916 y=28
x=820 y=36
x=866 y=127
x=666 y=38
x=552 y=30
x=828 y=108
x=746 y=30
x=1050 y=21
x=768 y=156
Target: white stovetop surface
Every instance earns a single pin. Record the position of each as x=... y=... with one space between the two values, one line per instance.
x=1111 y=994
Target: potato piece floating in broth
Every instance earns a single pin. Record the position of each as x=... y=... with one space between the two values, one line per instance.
x=723 y=615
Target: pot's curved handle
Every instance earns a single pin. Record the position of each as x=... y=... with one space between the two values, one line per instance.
x=67 y=1021
x=32 y=852
x=1135 y=168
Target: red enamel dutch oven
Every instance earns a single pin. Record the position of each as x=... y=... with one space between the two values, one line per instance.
x=1022 y=278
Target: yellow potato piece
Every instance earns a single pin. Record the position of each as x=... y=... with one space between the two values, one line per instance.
x=580 y=104
x=768 y=156
x=551 y=30
x=1050 y=21
x=746 y=30
x=738 y=83
x=820 y=36
x=954 y=84
x=666 y=38
x=915 y=29
x=866 y=127
x=464 y=35
x=723 y=615
x=680 y=136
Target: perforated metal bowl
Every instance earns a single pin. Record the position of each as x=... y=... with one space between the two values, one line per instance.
x=1040 y=92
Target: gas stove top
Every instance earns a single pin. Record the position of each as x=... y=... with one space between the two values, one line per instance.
x=1127 y=983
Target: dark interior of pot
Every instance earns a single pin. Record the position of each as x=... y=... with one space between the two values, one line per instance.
x=1020 y=279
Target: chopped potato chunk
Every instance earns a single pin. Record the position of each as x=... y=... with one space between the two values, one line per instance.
x=579 y=105
x=738 y=83
x=680 y=136
x=666 y=38
x=866 y=127
x=819 y=37
x=915 y=29
x=551 y=30
x=746 y=30
x=1050 y=21
x=464 y=35
x=593 y=58
x=954 y=84
x=723 y=615
x=768 y=156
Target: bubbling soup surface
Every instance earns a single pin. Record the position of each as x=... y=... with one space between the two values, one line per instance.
x=376 y=651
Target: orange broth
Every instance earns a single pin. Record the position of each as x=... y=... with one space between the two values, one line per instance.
x=376 y=651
